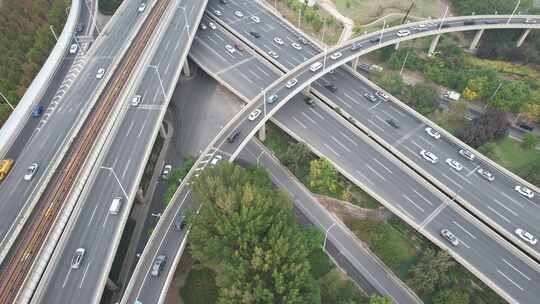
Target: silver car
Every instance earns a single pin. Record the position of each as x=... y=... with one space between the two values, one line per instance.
x=467 y=154
x=158 y=265
x=526 y=236
x=450 y=237
x=78 y=258
x=454 y=164
x=31 y=171
x=430 y=157
x=433 y=133
x=524 y=191
x=485 y=174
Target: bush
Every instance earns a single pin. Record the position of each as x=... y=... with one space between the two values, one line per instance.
x=530 y=141
x=200 y=287
x=491 y=125
x=320 y=263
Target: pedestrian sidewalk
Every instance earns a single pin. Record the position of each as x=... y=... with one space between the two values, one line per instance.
x=348 y=24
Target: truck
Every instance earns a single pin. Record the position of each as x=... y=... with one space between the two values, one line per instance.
x=5 y=166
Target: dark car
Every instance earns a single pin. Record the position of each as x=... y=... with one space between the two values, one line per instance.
x=38 y=110
x=309 y=101
x=303 y=41
x=79 y=28
x=331 y=87
x=469 y=22
x=180 y=223
x=393 y=123
x=375 y=40
x=233 y=136
x=255 y=34
x=223 y=1
x=491 y=22
x=525 y=126
x=355 y=47
x=370 y=97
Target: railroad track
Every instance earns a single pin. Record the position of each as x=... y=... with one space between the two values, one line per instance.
x=16 y=266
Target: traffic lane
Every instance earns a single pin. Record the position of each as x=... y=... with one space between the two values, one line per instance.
x=515 y=277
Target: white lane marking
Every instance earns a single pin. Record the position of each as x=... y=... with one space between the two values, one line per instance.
x=460 y=176
x=412 y=202
x=500 y=215
x=412 y=152
x=420 y=195
x=464 y=230
x=308 y=118
x=350 y=97
x=506 y=277
x=262 y=71
x=255 y=74
x=417 y=145
x=511 y=199
x=452 y=181
x=92 y=216
x=246 y=78
x=84 y=274
x=464 y=244
x=343 y=101
x=425 y=140
x=234 y=66
x=130 y=127
x=407 y=136
x=473 y=170
x=330 y=148
x=299 y=122
x=375 y=172
x=433 y=215
x=373 y=107
x=142 y=128
x=348 y=138
x=406 y=212
x=397 y=111
x=382 y=165
x=504 y=207
x=342 y=145
x=517 y=270
x=126 y=167
x=364 y=177
x=67 y=276
x=375 y=125
x=360 y=94
x=316 y=113
x=389 y=115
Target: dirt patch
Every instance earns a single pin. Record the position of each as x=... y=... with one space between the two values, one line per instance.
x=179 y=279
x=345 y=209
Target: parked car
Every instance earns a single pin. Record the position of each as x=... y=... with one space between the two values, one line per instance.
x=100 y=73
x=370 y=97
x=135 y=101
x=309 y=101
x=255 y=34
x=382 y=95
x=141 y=7
x=233 y=136
x=255 y=19
x=291 y=83
x=238 y=14
x=179 y=222
x=296 y=46
x=336 y=55
x=254 y=114
x=331 y=87
x=216 y=160
x=273 y=98
x=166 y=171
x=73 y=48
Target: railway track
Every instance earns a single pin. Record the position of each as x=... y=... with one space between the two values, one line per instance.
x=16 y=266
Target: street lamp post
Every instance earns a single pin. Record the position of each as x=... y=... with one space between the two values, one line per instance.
x=514 y=11
x=382 y=32
x=187 y=21
x=264 y=101
x=325 y=45
x=444 y=17
x=326 y=235
x=159 y=78
x=53 y=32
x=7 y=101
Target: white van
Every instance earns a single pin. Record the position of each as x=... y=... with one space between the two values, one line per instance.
x=316 y=66
x=116 y=204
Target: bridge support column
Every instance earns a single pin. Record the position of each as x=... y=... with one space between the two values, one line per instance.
x=397 y=46
x=522 y=37
x=433 y=45
x=262 y=133
x=307 y=90
x=111 y=285
x=355 y=63
x=476 y=39
x=186 y=69
x=140 y=196
x=162 y=131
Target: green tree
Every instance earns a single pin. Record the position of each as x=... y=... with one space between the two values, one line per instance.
x=451 y=296
x=531 y=172
x=422 y=98
x=530 y=140
x=375 y=299
x=489 y=150
x=322 y=177
x=335 y=290
x=431 y=272
x=295 y=157
x=391 y=82
x=511 y=96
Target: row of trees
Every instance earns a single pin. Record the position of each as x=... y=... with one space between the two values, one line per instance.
x=25 y=42
x=311 y=15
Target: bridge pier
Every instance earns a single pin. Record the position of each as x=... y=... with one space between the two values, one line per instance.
x=396 y=47
x=140 y=196
x=433 y=45
x=262 y=133
x=355 y=63
x=476 y=39
x=522 y=37
x=307 y=90
x=186 y=69
x=111 y=285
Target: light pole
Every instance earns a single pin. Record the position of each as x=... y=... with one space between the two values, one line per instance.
x=514 y=11
x=299 y=16
x=264 y=101
x=404 y=61
x=326 y=235
x=187 y=21
x=7 y=101
x=325 y=45
x=54 y=34
x=444 y=17
x=159 y=78
x=382 y=32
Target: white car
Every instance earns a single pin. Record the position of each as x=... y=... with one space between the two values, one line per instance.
x=273 y=54
x=296 y=45
x=100 y=73
x=203 y=26
x=467 y=154
x=450 y=237
x=254 y=114
x=526 y=236
x=291 y=83
x=278 y=40
x=422 y=26
x=255 y=19
x=403 y=33
x=524 y=191
x=217 y=13
x=530 y=21
x=166 y=171
x=433 y=133
x=78 y=257
x=73 y=48
x=216 y=160
x=336 y=55
x=454 y=164
x=485 y=174
x=211 y=25
x=382 y=95
x=135 y=101
x=430 y=157
x=141 y=8
x=230 y=48
x=31 y=171
x=239 y=14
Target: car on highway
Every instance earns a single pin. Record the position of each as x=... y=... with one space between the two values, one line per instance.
x=336 y=55
x=303 y=41
x=217 y=13
x=485 y=174
x=450 y=237
x=254 y=114
x=296 y=45
x=530 y=21
x=355 y=47
x=212 y=25
x=135 y=101
x=467 y=154
x=524 y=191
x=203 y=26
x=255 y=34
x=238 y=14
x=403 y=33
x=216 y=160
x=233 y=136
x=331 y=87
x=78 y=257
x=273 y=98
x=433 y=133
x=375 y=40
x=278 y=40
x=255 y=19
x=309 y=101
x=315 y=66
x=273 y=54
x=291 y=83
x=454 y=164
x=180 y=222
x=5 y=167
x=38 y=110
x=230 y=48
x=370 y=97
x=223 y=1
x=100 y=73
x=382 y=95
x=166 y=171
x=393 y=123
x=526 y=236
x=79 y=28
x=141 y=7
x=116 y=205
x=73 y=48
x=31 y=171
x=430 y=157
x=158 y=265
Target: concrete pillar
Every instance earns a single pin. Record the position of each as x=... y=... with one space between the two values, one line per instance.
x=355 y=63
x=476 y=39
x=433 y=45
x=140 y=196
x=111 y=285
x=397 y=46
x=307 y=91
x=186 y=69
x=262 y=133
x=522 y=38
x=162 y=131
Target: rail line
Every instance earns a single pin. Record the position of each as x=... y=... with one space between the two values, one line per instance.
x=17 y=265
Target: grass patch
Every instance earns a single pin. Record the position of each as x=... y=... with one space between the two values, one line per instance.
x=200 y=287
x=512 y=156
